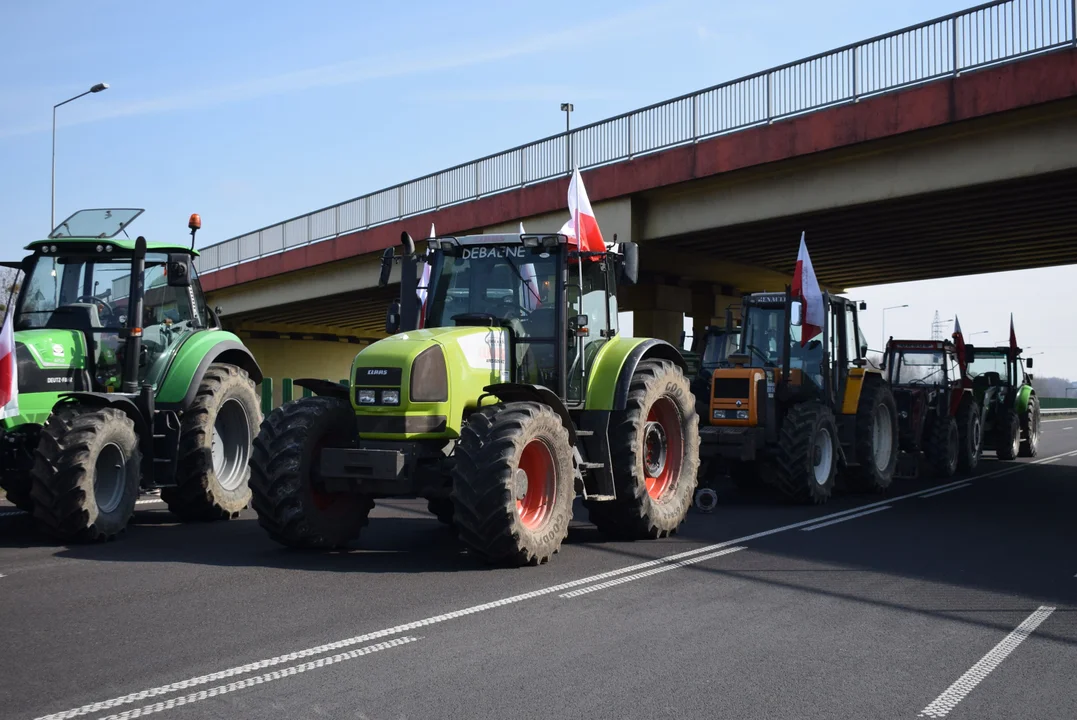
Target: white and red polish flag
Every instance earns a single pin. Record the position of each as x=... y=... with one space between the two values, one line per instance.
x=806 y=287
x=9 y=375
x=582 y=226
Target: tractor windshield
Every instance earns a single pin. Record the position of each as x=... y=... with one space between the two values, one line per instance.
x=762 y=340
x=917 y=368
x=988 y=364
x=509 y=282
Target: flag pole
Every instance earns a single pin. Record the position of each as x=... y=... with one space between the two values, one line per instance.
x=576 y=180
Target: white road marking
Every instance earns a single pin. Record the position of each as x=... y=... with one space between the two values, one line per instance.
x=843 y=519
x=1051 y=461
x=1068 y=428
x=146 y=501
x=940 y=492
x=648 y=573
x=965 y=684
x=5 y=513
x=261 y=664
x=258 y=680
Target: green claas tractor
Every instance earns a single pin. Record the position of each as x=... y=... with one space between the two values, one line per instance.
x=123 y=386
x=1011 y=408
x=499 y=397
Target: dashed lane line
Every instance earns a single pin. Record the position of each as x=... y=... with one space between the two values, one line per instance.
x=145 y=501
x=843 y=519
x=258 y=680
x=426 y=622
x=948 y=700
x=941 y=492
x=648 y=573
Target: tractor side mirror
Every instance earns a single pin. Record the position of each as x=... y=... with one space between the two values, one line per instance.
x=970 y=354
x=863 y=305
x=1028 y=363
x=179 y=270
x=392 y=318
x=386 y=267
x=796 y=313
x=630 y=268
x=864 y=351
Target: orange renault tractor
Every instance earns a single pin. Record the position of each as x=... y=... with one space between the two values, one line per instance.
x=793 y=414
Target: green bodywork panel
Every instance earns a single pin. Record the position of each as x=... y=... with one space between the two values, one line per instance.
x=124 y=244
x=1021 y=401
x=180 y=371
x=472 y=358
x=606 y=369
x=51 y=350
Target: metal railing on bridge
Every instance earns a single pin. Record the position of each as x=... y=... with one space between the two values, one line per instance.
x=992 y=33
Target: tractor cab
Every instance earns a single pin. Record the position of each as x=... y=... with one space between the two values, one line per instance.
x=76 y=309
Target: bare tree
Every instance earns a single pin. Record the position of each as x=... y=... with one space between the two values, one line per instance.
x=10 y=280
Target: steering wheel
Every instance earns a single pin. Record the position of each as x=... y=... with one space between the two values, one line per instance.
x=103 y=305
x=762 y=355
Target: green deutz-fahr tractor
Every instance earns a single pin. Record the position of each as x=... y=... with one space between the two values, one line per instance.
x=123 y=386
x=517 y=394
x=1011 y=408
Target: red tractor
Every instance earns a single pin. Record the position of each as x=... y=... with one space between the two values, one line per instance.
x=938 y=415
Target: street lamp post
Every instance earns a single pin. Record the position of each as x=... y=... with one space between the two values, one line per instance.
x=892 y=307
x=567 y=109
x=95 y=89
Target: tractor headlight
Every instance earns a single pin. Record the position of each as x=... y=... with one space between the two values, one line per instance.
x=390 y=397
x=429 y=377
x=365 y=397
x=742 y=414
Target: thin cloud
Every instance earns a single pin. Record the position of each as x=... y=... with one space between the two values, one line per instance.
x=641 y=21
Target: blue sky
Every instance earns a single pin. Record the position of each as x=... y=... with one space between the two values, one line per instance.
x=251 y=113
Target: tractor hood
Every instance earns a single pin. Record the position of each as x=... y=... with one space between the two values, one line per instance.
x=49 y=361
x=433 y=375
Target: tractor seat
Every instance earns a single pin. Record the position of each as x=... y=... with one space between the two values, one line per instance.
x=986 y=380
x=75 y=316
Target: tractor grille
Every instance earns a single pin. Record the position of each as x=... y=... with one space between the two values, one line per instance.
x=736 y=388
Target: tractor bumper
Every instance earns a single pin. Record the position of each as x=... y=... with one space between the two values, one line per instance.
x=385 y=469
x=731 y=443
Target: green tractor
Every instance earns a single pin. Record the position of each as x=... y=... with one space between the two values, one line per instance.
x=123 y=386
x=499 y=397
x=1010 y=406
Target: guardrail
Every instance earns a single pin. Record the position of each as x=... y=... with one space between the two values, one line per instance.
x=984 y=35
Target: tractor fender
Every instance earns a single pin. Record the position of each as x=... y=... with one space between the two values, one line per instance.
x=522 y=392
x=1022 y=399
x=651 y=349
x=193 y=358
x=130 y=407
x=324 y=388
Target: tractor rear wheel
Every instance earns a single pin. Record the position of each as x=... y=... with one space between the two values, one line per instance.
x=1030 y=446
x=944 y=446
x=86 y=474
x=286 y=490
x=513 y=483
x=213 y=463
x=970 y=431
x=17 y=478
x=654 y=443
x=876 y=439
x=1008 y=435
x=806 y=459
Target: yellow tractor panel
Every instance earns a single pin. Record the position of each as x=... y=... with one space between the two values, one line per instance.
x=734 y=396
x=853 y=385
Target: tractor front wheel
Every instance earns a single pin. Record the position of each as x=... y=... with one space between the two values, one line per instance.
x=287 y=494
x=970 y=429
x=86 y=473
x=213 y=469
x=806 y=459
x=944 y=446
x=876 y=439
x=654 y=442
x=513 y=483
x=1008 y=435
x=1030 y=446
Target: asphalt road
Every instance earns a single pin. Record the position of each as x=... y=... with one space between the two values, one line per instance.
x=959 y=604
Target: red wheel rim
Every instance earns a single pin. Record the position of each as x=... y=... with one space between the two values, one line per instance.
x=536 y=484
x=663 y=447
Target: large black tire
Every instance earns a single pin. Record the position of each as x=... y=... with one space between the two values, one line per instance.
x=876 y=448
x=943 y=446
x=806 y=459
x=284 y=482
x=1030 y=424
x=213 y=465
x=17 y=478
x=654 y=442
x=970 y=434
x=1008 y=435
x=86 y=474
x=513 y=483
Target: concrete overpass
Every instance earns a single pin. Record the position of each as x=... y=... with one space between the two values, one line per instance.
x=944 y=149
